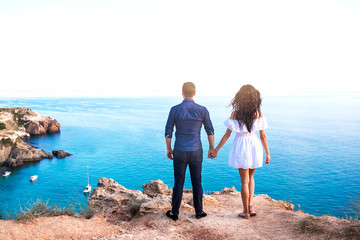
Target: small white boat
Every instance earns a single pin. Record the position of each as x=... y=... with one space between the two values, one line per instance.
x=87 y=189
x=33 y=178
x=5 y=174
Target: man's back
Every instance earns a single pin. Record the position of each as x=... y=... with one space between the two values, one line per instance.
x=188 y=118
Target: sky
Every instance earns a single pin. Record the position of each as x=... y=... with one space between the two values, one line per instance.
x=150 y=48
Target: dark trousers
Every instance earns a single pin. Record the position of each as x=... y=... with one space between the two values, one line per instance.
x=181 y=160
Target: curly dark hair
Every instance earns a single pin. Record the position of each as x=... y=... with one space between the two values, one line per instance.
x=246 y=106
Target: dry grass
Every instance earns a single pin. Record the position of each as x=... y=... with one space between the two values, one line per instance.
x=356 y=209
x=41 y=209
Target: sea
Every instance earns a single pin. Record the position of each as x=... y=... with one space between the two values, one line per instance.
x=314 y=141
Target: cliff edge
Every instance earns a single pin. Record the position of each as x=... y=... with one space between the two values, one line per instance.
x=131 y=214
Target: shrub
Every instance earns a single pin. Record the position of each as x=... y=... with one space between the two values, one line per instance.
x=6 y=141
x=2 y=126
x=355 y=209
x=89 y=213
x=41 y=209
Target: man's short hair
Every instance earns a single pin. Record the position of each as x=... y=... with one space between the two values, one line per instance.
x=188 y=89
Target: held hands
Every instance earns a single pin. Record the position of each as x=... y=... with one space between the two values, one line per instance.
x=169 y=154
x=212 y=153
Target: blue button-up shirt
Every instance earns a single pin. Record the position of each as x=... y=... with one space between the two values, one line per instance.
x=188 y=118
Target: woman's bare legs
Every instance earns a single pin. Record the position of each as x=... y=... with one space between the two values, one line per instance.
x=251 y=190
x=244 y=175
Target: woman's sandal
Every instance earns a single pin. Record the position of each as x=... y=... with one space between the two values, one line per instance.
x=242 y=215
x=252 y=213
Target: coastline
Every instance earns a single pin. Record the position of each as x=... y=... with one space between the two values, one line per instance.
x=19 y=123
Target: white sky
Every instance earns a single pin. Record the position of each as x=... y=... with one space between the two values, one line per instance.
x=137 y=48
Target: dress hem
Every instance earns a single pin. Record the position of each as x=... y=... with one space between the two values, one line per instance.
x=245 y=167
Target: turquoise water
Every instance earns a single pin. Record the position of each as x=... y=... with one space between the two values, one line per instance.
x=314 y=144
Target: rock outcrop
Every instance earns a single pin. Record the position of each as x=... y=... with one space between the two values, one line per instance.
x=155 y=188
x=156 y=204
x=116 y=202
x=45 y=126
x=120 y=204
x=19 y=123
x=25 y=120
x=60 y=153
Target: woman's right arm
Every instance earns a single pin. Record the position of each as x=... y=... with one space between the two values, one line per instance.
x=221 y=143
x=265 y=145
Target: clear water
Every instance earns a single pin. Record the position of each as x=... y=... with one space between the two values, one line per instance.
x=314 y=144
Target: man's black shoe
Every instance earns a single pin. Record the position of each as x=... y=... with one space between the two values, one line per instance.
x=201 y=215
x=171 y=216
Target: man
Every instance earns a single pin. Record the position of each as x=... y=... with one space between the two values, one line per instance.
x=188 y=118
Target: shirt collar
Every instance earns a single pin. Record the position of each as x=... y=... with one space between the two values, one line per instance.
x=188 y=100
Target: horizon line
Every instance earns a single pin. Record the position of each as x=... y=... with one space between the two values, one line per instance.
x=147 y=95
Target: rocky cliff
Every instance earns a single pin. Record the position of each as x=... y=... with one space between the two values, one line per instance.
x=141 y=215
x=131 y=214
x=16 y=124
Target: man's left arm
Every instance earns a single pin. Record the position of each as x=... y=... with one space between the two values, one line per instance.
x=210 y=131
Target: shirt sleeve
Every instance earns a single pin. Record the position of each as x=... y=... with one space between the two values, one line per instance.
x=261 y=124
x=207 y=123
x=233 y=125
x=170 y=124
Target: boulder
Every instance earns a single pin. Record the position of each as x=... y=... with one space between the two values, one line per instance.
x=155 y=188
x=231 y=190
x=60 y=153
x=116 y=202
x=50 y=155
x=207 y=201
x=157 y=204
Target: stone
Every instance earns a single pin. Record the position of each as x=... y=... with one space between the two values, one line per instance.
x=155 y=188
x=160 y=203
x=116 y=202
x=207 y=201
x=50 y=155
x=231 y=190
x=60 y=153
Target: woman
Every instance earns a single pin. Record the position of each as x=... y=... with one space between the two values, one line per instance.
x=246 y=152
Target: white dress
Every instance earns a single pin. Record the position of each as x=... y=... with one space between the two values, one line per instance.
x=246 y=150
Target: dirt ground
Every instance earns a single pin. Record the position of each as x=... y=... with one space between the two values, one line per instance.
x=273 y=221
